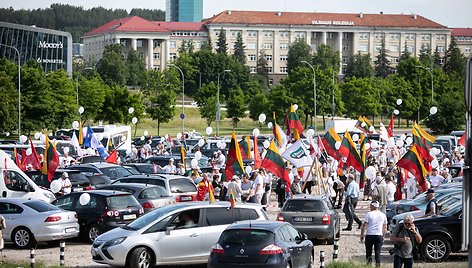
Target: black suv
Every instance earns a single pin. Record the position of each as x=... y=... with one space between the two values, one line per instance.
x=111 y=171
x=78 y=180
x=106 y=210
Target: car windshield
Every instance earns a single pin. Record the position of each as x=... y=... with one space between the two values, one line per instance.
x=304 y=205
x=151 y=217
x=247 y=237
x=451 y=209
x=41 y=206
x=116 y=172
x=122 y=201
x=153 y=193
x=182 y=185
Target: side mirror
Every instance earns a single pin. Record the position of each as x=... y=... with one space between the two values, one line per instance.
x=168 y=229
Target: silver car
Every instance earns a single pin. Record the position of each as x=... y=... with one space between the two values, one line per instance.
x=31 y=221
x=177 y=234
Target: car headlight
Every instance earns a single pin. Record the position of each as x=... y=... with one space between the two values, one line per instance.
x=114 y=242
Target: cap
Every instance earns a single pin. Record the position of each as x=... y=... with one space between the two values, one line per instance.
x=171 y=159
x=235 y=177
x=65 y=175
x=430 y=191
x=375 y=204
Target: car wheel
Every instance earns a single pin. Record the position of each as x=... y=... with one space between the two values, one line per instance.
x=23 y=238
x=140 y=258
x=435 y=248
x=93 y=232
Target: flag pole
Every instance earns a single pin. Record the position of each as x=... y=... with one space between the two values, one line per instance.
x=309 y=173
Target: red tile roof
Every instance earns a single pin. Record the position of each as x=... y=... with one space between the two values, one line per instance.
x=461 y=32
x=305 y=18
x=129 y=24
x=181 y=26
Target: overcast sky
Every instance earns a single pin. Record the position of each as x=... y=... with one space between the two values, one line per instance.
x=452 y=13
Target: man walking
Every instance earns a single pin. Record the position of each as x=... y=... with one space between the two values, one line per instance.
x=350 y=203
x=405 y=236
x=431 y=206
x=374 y=228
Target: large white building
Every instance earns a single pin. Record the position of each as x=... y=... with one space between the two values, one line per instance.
x=272 y=33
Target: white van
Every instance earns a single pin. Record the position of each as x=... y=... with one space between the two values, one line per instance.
x=15 y=183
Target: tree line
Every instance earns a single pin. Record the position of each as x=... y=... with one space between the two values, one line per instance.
x=74 y=19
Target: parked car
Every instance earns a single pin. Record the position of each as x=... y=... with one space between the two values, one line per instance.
x=178 y=234
x=79 y=181
x=455 y=170
x=31 y=221
x=105 y=210
x=442 y=234
x=112 y=171
x=313 y=215
x=144 y=168
x=182 y=188
x=150 y=197
x=261 y=244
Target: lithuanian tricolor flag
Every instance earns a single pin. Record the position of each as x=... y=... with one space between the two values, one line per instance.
x=363 y=140
x=182 y=156
x=234 y=161
x=232 y=200
x=411 y=161
x=274 y=163
x=294 y=123
x=422 y=148
x=425 y=136
x=245 y=147
x=348 y=149
x=257 y=155
x=329 y=140
x=50 y=160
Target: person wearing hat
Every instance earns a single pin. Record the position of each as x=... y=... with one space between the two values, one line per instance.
x=373 y=230
x=235 y=187
x=431 y=207
x=435 y=178
x=66 y=186
x=170 y=168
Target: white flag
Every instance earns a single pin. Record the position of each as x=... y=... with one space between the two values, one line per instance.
x=75 y=142
x=298 y=155
x=383 y=132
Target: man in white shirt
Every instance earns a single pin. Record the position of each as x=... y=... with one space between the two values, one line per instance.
x=170 y=168
x=66 y=186
x=435 y=179
x=257 y=189
x=221 y=159
x=375 y=222
x=391 y=190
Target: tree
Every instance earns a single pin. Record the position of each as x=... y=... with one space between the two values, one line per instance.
x=236 y=106
x=437 y=59
x=406 y=54
x=257 y=105
x=111 y=66
x=64 y=95
x=239 y=49
x=326 y=58
x=206 y=101
x=450 y=115
x=454 y=60
x=136 y=69
x=382 y=64
x=359 y=66
x=425 y=56
x=9 y=93
x=361 y=97
x=299 y=51
x=117 y=101
x=91 y=96
x=261 y=68
x=280 y=100
x=222 y=45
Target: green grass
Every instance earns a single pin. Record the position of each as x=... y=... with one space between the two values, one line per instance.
x=9 y=264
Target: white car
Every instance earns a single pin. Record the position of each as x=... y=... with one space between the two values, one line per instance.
x=31 y=221
x=178 y=234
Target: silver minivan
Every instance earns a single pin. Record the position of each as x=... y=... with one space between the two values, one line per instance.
x=178 y=234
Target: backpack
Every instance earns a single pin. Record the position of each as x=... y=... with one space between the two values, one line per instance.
x=415 y=251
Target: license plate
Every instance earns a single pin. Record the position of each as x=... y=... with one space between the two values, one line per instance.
x=129 y=217
x=71 y=230
x=303 y=219
x=186 y=198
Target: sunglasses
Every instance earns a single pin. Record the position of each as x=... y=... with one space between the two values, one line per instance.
x=408 y=223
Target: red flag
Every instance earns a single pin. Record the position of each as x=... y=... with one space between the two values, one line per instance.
x=390 y=127
x=289 y=131
x=31 y=159
x=234 y=161
x=112 y=158
x=50 y=160
x=462 y=140
x=257 y=155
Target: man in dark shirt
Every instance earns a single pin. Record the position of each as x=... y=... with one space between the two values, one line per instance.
x=432 y=206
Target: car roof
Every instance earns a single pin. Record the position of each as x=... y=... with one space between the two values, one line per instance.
x=19 y=200
x=134 y=186
x=217 y=204
x=307 y=197
x=97 y=165
x=156 y=177
x=265 y=225
x=105 y=193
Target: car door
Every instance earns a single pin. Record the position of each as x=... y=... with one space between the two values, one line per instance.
x=183 y=244
x=12 y=215
x=295 y=249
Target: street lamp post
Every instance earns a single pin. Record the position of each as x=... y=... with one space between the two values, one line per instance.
x=182 y=116
x=314 y=89
x=19 y=86
x=333 y=106
x=430 y=71
x=218 y=102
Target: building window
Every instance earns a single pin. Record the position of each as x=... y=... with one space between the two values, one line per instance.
x=172 y=44
x=394 y=59
x=346 y=47
x=410 y=37
x=124 y=43
x=440 y=37
x=156 y=43
x=233 y=45
x=268 y=33
x=346 y=35
x=217 y=32
x=283 y=46
x=251 y=33
x=269 y=69
x=344 y=59
x=253 y=69
x=268 y=57
x=395 y=36
x=363 y=48
x=330 y=35
x=425 y=36
x=377 y=48
x=314 y=35
x=394 y=48
x=199 y=44
x=156 y=67
x=314 y=47
x=271 y=82
x=139 y=43
x=440 y=49
x=410 y=49
x=156 y=56
x=235 y=33
x=363 y=36
x=283 y=69
x=284 y=57
x=378 y=35
x=251 y=57
x=284 y=34
x=125 y=55
x=172 y=56
x=467 y=49
x=441 y=60
x=300 y=35
x=267 y=46
x=251 y=46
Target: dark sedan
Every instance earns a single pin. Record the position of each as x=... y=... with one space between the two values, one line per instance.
x=442 y=234
x=149 y=196
x=79 y=181
x=261 y=244
x=144 y=168
x=313 y=215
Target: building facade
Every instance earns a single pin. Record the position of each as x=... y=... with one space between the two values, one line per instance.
x=184 y=10
x=463 y=38
x=272 y=33
x=50 y=48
